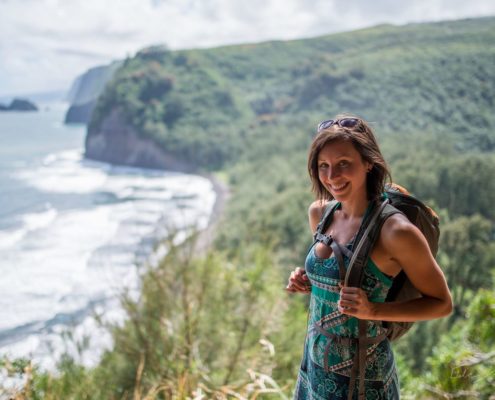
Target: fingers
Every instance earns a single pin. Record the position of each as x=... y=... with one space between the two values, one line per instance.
x=298 y=281
x=348 y=303
x=300 y=273
x=351 y=289
x=353 y=301
x=293 y=289
x=347 y=310
x=297 y=286
x=354 y=298
x=350 y=296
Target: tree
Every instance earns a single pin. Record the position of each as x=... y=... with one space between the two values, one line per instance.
x=465 y=246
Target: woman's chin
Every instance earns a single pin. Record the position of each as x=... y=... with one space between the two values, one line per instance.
x=340 y=195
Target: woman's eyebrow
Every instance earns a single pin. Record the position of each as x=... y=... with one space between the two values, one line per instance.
x=345 y=155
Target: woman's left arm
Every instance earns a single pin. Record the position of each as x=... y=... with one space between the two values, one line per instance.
x=406 y=245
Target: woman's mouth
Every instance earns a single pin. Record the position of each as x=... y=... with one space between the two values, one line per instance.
x=339 y=188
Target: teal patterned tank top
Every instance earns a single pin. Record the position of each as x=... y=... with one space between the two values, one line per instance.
x=326 y=368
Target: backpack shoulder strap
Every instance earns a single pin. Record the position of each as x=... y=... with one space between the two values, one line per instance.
x=367 y=236
x=366 y=239
x=325 y=222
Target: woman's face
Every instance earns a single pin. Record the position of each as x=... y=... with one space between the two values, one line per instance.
x=342 y=171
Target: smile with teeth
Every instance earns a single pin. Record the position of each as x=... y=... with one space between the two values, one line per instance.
x=339 y=188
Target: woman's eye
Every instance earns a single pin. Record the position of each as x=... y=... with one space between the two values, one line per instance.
x=323 y=166
x=343 y=163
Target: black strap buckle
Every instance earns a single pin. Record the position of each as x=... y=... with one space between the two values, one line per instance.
x=322 y=238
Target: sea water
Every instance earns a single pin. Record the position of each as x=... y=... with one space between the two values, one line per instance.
x=75 y=233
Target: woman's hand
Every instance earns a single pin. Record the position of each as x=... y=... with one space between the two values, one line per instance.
x=354 y=301
x=298 y=282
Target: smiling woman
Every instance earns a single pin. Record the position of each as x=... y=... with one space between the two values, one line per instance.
x=341 y=170
x=347 y=353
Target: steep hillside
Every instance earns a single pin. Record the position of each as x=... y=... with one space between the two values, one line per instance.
x=201 y=104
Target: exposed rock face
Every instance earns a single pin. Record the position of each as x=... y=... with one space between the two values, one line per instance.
x=19 y=105
x=116 y=142
x=80 y=113
x=85 y=91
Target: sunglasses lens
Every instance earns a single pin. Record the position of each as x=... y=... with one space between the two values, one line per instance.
x=343 y=123
x=348 y=122
x=325 y=124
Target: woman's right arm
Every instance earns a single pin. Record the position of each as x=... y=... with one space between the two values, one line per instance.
x=298 y=280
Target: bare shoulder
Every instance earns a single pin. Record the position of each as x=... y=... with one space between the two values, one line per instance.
x=316 y=208
x=406 y=246
x=315 y=212
x=398 y=235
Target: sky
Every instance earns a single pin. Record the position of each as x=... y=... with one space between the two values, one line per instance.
x=46 y=44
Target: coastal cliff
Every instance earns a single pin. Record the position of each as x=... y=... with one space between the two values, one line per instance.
x=80 y=114
x=85 y=91
x=148 y=114
x=115 y=141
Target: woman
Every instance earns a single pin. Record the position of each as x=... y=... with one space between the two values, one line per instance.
x=345 y=164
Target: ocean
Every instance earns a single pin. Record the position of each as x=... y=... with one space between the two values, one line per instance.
x=75 y=233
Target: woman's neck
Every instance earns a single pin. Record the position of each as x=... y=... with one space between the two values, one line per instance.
x=354 y=208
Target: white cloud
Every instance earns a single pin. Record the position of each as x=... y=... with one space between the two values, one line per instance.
x=46 y=43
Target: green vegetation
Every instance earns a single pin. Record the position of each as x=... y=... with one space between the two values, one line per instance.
x=222 y=324
x=203 y=104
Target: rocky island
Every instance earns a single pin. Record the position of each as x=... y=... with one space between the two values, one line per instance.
x=19 y=105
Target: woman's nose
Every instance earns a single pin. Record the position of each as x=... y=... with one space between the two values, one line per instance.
x=332 y=173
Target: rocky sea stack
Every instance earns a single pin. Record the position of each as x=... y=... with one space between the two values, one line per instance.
x=19 y=105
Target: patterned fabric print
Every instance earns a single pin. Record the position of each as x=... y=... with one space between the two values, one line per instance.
x=314 y=382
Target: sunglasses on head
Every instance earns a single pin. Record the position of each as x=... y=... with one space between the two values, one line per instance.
x=343 y=123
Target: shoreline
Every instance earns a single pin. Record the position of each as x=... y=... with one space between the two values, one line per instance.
x=79 y=321
x=206 y=236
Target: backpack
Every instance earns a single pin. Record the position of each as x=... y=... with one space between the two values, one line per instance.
x=395 y=200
